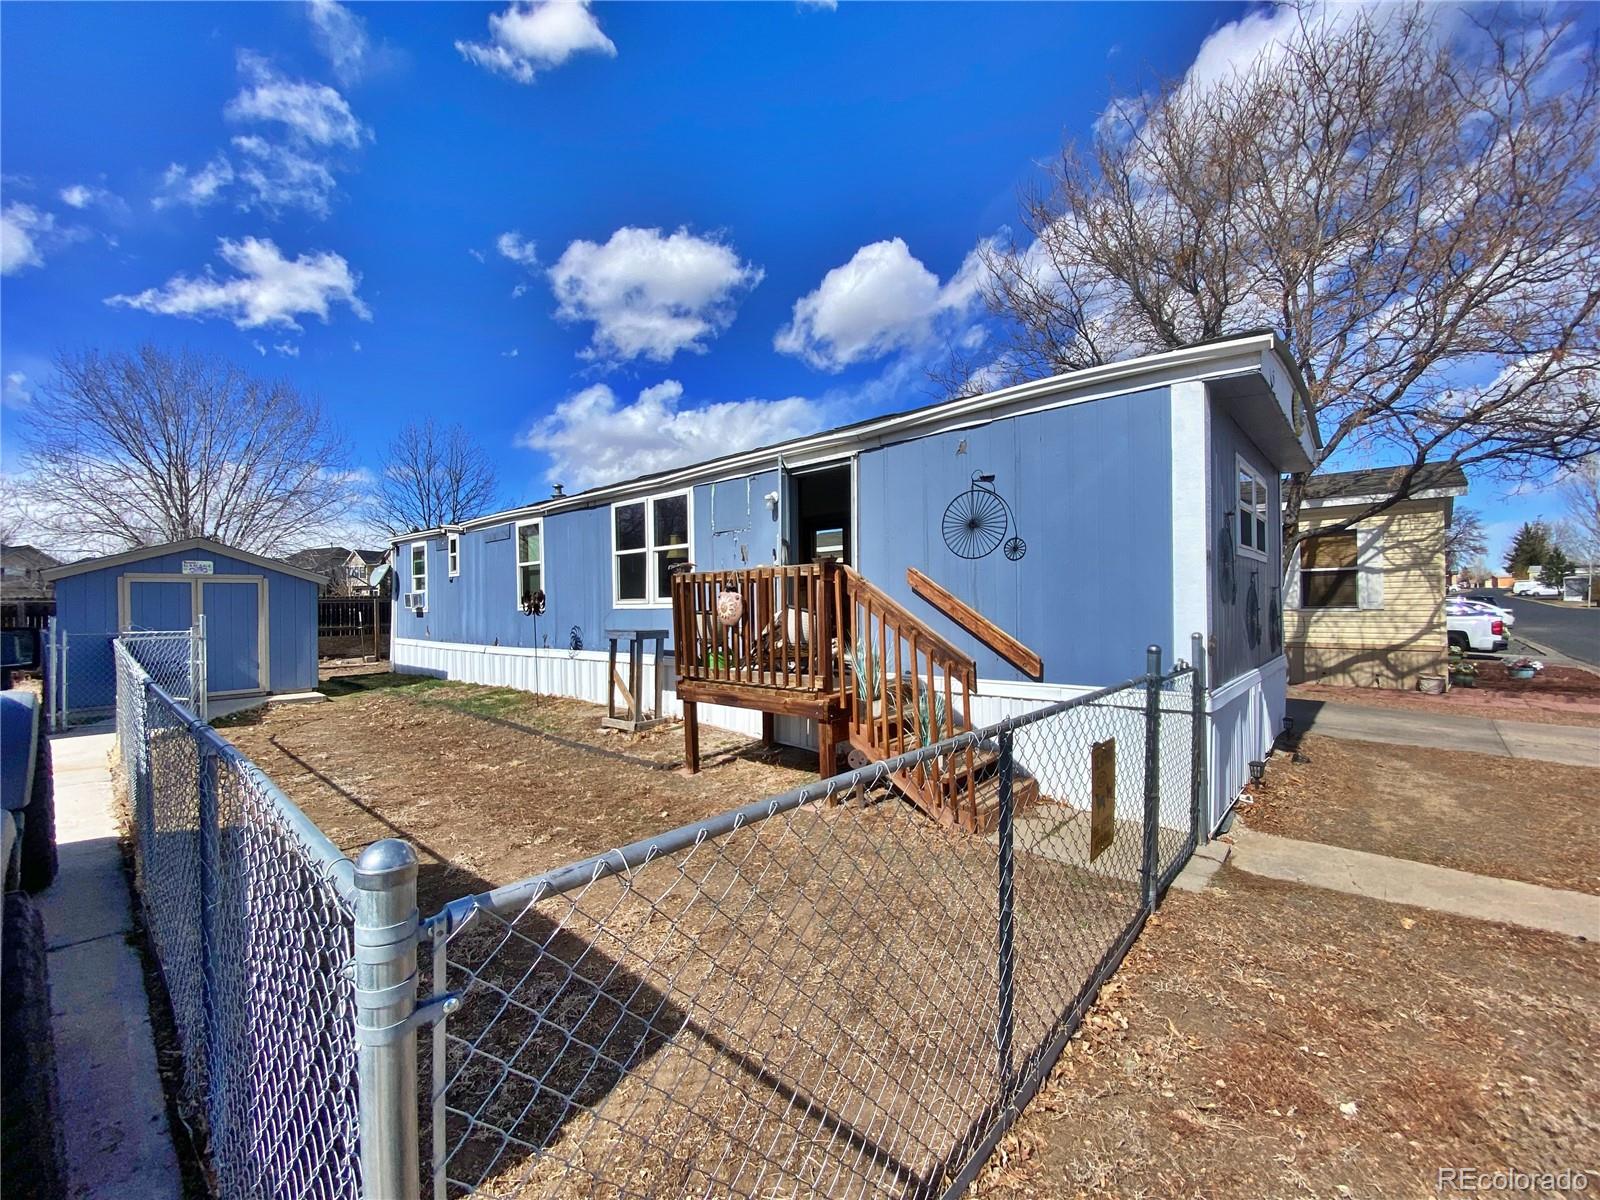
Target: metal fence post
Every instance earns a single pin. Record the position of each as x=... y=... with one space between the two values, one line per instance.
x=1005 y=1016
x=210 y=836
x=386 y=930
x=1150 y=869
x=1199 y=823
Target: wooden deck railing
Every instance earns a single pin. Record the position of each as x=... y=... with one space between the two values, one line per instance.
x=783 y=639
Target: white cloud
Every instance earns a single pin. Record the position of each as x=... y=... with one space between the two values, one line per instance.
x=81 y=196
x=519 y=291
x=592 y=439
x=268 y=289
x=310 y=112
x=15 y=390
x=529 y=37
x=882 y=300
x=197 y=189
x=22 y=229
x=514 y=352
x=341 y=38
x=649 y=295
x=280 y=176
x=517 y=248
x=287 y=349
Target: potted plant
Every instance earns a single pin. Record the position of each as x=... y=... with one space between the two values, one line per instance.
x=1523 y=668
x=1463 y=673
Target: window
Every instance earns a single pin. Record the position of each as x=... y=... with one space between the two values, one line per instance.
x=453 y=551
x=419 y=575
x=648 y=539
x=1329 y=575
x=1254 y=510
x=530 y=560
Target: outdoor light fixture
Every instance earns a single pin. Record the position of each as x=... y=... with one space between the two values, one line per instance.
x=533 y=604
x=1258 y=768
x=1288 y=725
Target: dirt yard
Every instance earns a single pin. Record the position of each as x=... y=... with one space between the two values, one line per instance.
x=1513 y=818
x=1270 y=1040
x=1556 y=696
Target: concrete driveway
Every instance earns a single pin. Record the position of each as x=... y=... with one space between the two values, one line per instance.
x=1573 y=745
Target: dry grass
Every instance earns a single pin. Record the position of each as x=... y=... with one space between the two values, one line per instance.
x=1265 y=1039
x=1520 y=819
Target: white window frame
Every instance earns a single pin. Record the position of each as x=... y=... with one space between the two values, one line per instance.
x=411 y=571
x=1261 y=513
x=452 y=549
x=516 y=558
x=651 y=598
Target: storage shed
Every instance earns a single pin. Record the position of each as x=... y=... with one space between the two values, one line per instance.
x=260 y=615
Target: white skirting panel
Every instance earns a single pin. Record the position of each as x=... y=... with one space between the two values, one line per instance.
x=1246 y=717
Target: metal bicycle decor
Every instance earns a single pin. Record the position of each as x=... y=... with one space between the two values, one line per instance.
x=977 y=521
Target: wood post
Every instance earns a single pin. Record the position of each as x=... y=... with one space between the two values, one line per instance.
x=768 y=735
x=691 y=736
x=829 y=734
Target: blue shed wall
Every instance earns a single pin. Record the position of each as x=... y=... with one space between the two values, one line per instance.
x=86 y=609
x=1090 y=488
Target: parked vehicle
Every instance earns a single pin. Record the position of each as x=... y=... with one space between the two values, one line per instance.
x=1473 y=630
x=30 y=1131
x=1487 y=607
x=1532 y=587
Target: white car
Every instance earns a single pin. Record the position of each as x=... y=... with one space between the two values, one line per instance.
x=1532 y=587
x=1488 y=607
x=1474 y=630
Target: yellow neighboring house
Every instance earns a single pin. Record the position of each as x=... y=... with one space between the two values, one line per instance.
x=1365 y=606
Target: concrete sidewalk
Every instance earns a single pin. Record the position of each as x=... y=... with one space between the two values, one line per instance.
x=1573 y=745
x=113 y=1111
x=1423 y=885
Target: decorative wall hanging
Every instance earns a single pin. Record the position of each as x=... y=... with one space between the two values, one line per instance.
x=977 y=521
x=730 y=607
x=1275 y=620
x=533 y=603
x=1227 y=581
x=575 y=639
x=1252 y=612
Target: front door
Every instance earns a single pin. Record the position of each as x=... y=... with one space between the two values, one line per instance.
x=822 y=515
x=233 y=641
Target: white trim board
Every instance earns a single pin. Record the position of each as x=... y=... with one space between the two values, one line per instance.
x=1191 y=516
x=197 y=585
x=209 y=545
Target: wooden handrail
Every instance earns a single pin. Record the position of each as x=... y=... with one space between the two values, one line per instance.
x=975 y=623
x=882 y=602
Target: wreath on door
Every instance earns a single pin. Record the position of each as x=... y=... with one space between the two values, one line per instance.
x=976 y=523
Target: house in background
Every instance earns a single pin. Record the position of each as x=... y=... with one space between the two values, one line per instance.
x=27 y=598
x=1087 y=516
x=1364 y=607
x=348 y=572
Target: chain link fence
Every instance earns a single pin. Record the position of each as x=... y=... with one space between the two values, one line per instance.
x=249 y=908
x=81 y=669
x=825 y=993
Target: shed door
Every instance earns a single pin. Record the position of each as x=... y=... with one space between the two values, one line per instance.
x=159 y=604
x=233 y=636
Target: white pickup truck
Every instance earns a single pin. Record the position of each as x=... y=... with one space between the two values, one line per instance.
x=1472 y=629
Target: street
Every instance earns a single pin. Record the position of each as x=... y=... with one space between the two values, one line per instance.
x=1565 y=628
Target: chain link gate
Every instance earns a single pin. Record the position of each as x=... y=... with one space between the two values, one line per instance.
x=81 y=669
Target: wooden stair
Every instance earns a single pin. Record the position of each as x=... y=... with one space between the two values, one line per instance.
x=903 y=687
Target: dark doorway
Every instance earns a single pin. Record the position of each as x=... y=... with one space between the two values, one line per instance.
x=822 y=516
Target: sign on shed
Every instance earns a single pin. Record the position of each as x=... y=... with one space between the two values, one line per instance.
x=1102 y=796
x=198 y=566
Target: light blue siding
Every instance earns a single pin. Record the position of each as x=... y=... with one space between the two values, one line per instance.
x=86 y=609
x=233 y=646
x=1089 y=488
x=732 y=526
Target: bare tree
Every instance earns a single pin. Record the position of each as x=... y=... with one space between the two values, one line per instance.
x=1464 y=538
x=13 y=511
x=434 y=476
x=1417 y=213
x=135 y=449
x=1579 y=527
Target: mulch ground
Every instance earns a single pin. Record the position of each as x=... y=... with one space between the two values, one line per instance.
x=1270 y=1040
x=1555 y=696
x=1520 y=819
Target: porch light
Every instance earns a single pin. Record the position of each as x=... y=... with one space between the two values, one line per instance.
x=1258 y=769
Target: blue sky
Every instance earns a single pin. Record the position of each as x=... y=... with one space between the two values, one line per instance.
x=598 y=238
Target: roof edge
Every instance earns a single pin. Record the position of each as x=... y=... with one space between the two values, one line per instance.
x=139 y=554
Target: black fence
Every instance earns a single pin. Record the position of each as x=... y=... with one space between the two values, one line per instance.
x=353 y=625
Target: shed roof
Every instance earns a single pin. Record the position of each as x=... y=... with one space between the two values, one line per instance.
x=209 y=545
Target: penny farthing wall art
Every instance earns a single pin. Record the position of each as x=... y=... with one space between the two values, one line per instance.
x=979 y=521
